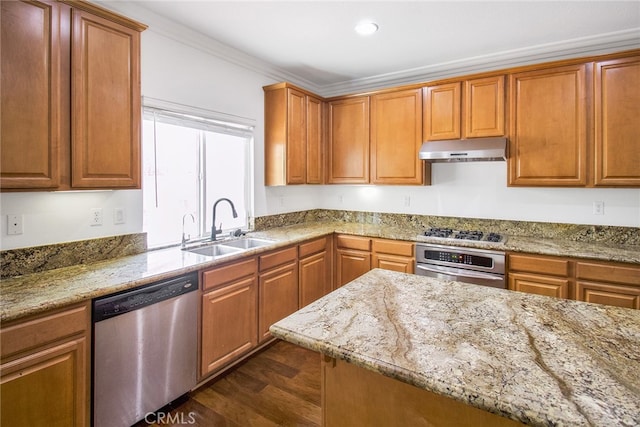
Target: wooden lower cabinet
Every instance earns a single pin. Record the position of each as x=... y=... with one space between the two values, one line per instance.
x=540 y=274
x=599 y=282
x=314 y=270
x=45 y=369
x=354 y=396
x=605 y=293
x=229 y=314
x=393 y=255
x=608 y=283
x=278 y=289
x=356 y=255
x=539 y=284
x=351 y=264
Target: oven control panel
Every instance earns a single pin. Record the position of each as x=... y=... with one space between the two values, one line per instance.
x=458 y=258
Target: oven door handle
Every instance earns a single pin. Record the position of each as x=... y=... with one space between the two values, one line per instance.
x=460 y=273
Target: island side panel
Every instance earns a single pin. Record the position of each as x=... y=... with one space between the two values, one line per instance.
x=355 y=396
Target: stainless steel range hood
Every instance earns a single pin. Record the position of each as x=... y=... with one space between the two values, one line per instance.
x=464 y=150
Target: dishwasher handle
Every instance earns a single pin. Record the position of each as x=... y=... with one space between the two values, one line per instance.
x=124 y=302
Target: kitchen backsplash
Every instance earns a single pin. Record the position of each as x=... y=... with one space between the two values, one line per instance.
x=17 y=262
x=542 y=230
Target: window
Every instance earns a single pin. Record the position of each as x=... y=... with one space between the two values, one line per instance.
x=191 y=159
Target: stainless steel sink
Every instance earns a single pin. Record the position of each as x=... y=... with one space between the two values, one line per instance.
x=247 y=243
x=230 y=247
x=215 y=250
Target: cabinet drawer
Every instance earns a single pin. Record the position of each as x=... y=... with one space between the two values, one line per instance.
x=600 y=293
x=221 y=275
x=354 y=242
x=29 y=334
x=277 y=258
x=312 y=247
x=393 y=247
x=608 y=272
x=539 y=264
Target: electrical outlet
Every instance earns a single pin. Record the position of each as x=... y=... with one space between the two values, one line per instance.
x=598 y=208
x=340 y=199
x=118 y=216
x=14 y=224
x=96 y=217
x=407 y=201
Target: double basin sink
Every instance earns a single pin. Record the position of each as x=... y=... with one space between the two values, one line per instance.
x=229 y=247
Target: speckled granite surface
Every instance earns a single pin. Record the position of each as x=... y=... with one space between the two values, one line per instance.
x=38 y=292
x=538 y=360
x=48 y=257
x=539 y=230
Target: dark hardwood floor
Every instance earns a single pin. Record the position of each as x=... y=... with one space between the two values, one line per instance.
x=279 y=386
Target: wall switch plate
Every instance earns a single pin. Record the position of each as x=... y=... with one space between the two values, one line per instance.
x=96 y=217
x=14 y=224
x=598 y=208
x=118 y=216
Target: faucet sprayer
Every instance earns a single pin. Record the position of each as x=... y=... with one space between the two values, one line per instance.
x=215 y=230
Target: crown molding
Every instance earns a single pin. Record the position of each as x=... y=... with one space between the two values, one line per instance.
x=567 y=49
x=574 y=48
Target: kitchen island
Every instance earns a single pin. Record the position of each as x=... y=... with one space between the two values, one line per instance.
x=514 y=356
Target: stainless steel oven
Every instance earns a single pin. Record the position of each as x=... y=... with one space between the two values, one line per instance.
x=478 y=266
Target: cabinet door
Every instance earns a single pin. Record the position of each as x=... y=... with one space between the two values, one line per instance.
x=296 y=137
x=30 y=85
x=46 y=387
x=605 y=293
x=540 y=285
x=315 y=277
x=350 y=265
x=393 y=262
x=278 y=297
x=348 y=161
x=617 y=122
x=106 y=109
x=315 y=141
x=229 y=323
x=548 y=134
x=442 y=112
x=483 y=107
x=396 y=137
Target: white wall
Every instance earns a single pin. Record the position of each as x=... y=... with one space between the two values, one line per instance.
x=173 y=71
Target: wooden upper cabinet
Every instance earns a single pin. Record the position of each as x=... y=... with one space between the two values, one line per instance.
x=315 y=141
x=293 y=136
x=30 y=87
x=442 y=112
x=348 y=161
x=483 y=107
x=70 y=97
x=548 y=136
x=468 y=109
x=396 y=137
x=105 y=103
x=617 y=122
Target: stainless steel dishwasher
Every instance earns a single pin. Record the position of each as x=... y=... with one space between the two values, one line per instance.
x=145 y=350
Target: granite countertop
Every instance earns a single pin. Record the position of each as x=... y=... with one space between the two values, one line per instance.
x=538 y=360
x=30 y=294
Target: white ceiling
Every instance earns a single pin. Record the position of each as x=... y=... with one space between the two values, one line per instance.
x=313 y=42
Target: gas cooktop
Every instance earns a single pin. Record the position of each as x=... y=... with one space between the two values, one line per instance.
x=448 y=233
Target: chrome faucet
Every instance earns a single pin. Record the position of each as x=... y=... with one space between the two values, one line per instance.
x=215 y=230
x=186 y=237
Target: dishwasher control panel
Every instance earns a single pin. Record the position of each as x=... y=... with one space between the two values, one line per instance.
x=133 y=299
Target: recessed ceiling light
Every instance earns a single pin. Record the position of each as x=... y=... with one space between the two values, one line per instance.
x=366 y=28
